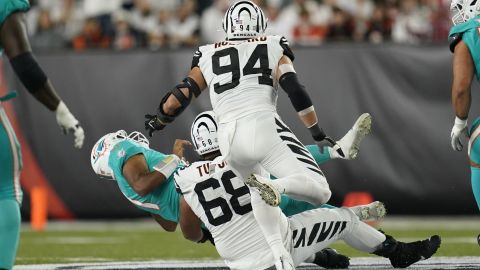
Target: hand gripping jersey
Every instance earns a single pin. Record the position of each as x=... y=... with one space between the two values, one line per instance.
x=222 y=201
x=241 y=74
x=469 y=32
x=164 y=200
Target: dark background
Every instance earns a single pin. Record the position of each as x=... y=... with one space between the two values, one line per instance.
x=406 y=162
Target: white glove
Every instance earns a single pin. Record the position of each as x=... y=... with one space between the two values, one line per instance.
x=459 y=129
x=69 y=124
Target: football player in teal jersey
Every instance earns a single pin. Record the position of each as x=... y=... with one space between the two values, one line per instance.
x=145 y=176
x=465 y=46
x=14 y=42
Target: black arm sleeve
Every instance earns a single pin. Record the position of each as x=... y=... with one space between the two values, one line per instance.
x=454 y=40
x=295 y=91
x=28 y=71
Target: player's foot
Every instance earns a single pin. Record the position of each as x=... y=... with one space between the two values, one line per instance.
x=372 y=211
x=331 y=259
x=402 y=255
x=478 y=239
x=265 y=188
x=350 y=143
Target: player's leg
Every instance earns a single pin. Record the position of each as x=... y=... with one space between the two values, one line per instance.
x=315 y=230
x=9 y=232
x=10 y=193
x=474 y=153
x=373 y=211
x=274 y=227
x=350 y=142
x=287 y=159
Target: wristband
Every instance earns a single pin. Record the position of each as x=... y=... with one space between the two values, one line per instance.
x=317 y=133
x=167 y=166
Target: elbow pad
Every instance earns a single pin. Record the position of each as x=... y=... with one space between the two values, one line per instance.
x=28 y=71
x=295 y=91
x=194 y=90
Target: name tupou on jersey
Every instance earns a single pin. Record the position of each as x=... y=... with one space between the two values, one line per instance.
x=222 y=202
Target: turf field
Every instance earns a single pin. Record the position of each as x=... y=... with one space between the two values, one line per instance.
x=145 y=241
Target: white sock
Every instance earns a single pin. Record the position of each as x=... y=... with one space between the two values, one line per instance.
x=304 y=188
x=268 y=219
x=365 y=238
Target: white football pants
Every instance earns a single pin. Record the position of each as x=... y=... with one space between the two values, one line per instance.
x=263 y=139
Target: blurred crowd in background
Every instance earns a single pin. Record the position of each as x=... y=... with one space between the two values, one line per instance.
x=156 y=24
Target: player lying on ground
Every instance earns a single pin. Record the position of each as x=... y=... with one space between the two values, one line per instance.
x=243 y=74
x=223 y=203
x=14 y=41
x=140 y=173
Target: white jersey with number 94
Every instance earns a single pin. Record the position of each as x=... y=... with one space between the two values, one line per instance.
x=241 y=74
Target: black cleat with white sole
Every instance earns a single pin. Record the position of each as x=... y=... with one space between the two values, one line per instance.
x=331 y=259
x=402 y=255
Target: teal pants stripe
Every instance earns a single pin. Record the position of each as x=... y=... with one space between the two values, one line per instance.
x=10 y=161
x=9 y=232
x=476 y=184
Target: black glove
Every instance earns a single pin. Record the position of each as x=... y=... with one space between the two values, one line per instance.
x=153 y=123
x=206 y=236
x=319 y=137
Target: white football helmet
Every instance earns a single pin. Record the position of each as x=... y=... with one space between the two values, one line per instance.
x=101 y=150
x=204 y=133
x=244 y=20
x=464 y=10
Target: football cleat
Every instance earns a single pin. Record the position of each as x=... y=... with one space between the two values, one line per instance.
x=350 y=143
x=402 y=255
x=372 y=211
x=478 y=239
x=265 y=188
x=331 y=259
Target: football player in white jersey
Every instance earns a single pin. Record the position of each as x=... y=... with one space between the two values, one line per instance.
x=214 y=195
x=243 y=74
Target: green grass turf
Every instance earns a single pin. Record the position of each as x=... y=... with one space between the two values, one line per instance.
x=68 y=246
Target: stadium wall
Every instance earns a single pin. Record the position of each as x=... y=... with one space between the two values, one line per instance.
x=406 y=162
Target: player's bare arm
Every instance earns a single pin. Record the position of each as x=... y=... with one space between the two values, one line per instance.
x=14 y=39
x=167 y=225
x=190 y=223
x=463 y=71
x=301 y=101
x=139 y=177
x=176 y=101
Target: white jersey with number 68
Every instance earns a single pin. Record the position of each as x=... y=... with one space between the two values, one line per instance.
x=241 y=74
x=222 y=202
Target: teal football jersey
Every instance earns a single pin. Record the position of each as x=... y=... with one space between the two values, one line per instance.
x=164 y=200
x=470 y=33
